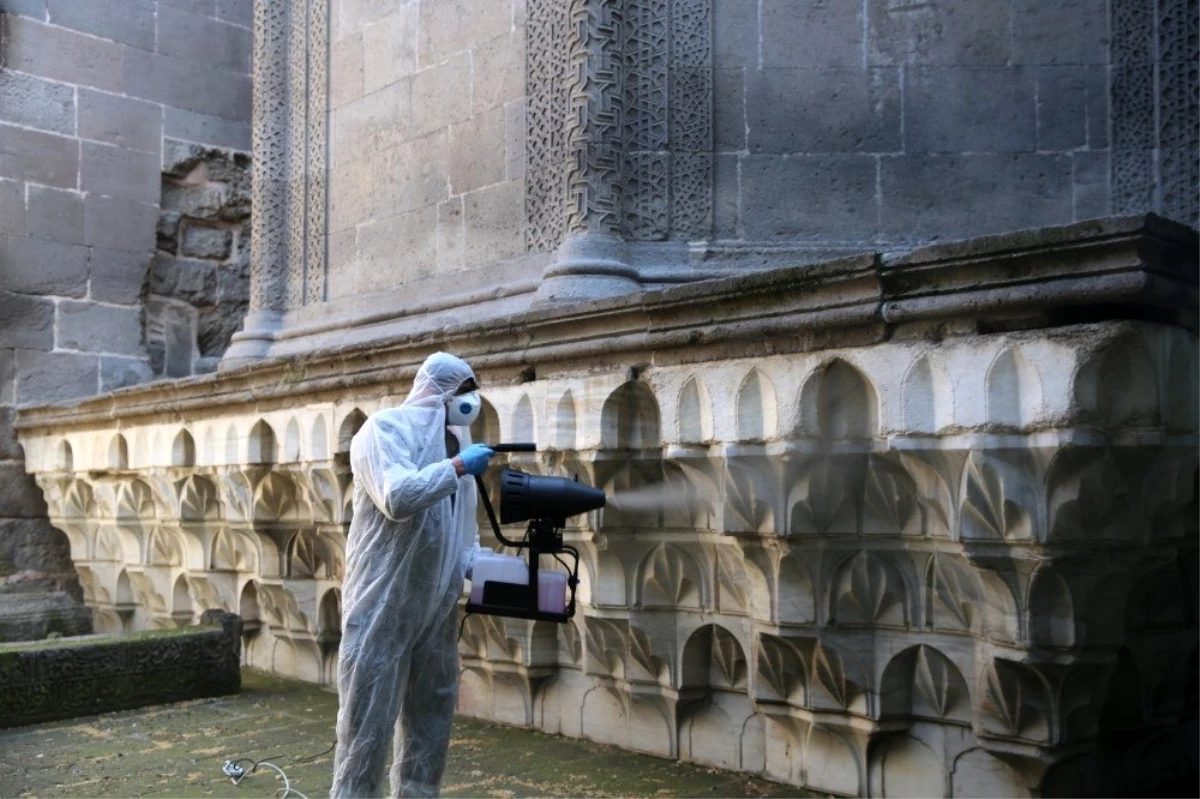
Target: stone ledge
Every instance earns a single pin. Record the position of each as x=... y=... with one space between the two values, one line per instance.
x=67 y=677
x=1141 y=267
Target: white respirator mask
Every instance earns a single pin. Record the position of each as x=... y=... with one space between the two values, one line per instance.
x=464 y=409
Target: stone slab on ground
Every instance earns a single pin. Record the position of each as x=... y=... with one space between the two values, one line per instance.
x=177 y=750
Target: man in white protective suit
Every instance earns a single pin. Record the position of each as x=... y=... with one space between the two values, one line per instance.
x=413 y=538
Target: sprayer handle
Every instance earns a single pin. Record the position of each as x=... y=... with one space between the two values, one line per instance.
x=520 y=447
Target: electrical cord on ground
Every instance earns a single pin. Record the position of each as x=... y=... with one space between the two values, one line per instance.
x=234 y=770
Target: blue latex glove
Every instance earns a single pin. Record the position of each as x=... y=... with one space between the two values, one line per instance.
x=475 y=458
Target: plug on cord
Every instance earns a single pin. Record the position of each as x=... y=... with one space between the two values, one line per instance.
x=232 y=770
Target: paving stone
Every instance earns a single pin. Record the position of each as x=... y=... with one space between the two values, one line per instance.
x=55 y=376
x=36 y=103
x=202 y=40
x=117 y=172
x=38 y=157
x=99 y=327
x=121 y=121
x=28 y=322
x=37 y=266
x=55 y=214
x=128 y=21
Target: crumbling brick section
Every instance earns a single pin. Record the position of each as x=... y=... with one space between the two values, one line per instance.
x=199 y=284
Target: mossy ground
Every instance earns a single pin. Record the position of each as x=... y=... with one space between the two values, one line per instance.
x=177 y=750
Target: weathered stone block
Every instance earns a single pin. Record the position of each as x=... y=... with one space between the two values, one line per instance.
x=38 y=157
x=121 y=372
x=10 y=448
x=36 y=103
x=1072 y=108
x=170 y=337
x=399 y=247
x=206 y=242
x=20 y=497
x=735 y=35
x=372 y=123
x=119 y=224
x=25 y=8
x=351 y=198
x=37 y=266
x=217 y=325
x=12 y=207
x=514 y=140
x=945 y=111
x=55 y=376
x=55 y=214
x=98 y=327
x=498 y=71
x=811 y=33
x=475 y=160
x=203 y=40
x=28 y=321
x=451 y=26
x=441 y=95
x=973 y=194
x=389 y=48
x=239 y=12
x=493 y=222
x=1066 y=32
x=182 y=84
x=726 y=196
x=197 y=282
x=117 y=172
x=207 y=8
x=167 y=232
x=729 y=109
x=451 y=241
x=117 y=276
x=828 y=197
x=63 y=55
x=1093 y=179
x=8 y=373
x=819 y=111
x=128 y=21
x=950 y=32
x=414 y=175
x=350 y=16
x=123 y=121
x=346 y=70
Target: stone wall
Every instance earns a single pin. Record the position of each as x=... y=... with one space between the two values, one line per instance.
x=427 y=131
x=94 y=94
x=901 y=526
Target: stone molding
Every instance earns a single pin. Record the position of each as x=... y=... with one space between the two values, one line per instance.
x=1137 y=267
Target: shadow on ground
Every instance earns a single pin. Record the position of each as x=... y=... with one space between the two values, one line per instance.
x=178 y=750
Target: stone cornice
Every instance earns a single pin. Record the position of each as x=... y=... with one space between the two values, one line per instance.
x=1139 y=267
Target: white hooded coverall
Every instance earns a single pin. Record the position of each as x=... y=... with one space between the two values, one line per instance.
x=413 y=537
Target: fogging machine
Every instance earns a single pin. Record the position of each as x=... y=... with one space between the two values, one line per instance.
x=545 y=502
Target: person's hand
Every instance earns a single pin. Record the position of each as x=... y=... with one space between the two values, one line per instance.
x=475 y=458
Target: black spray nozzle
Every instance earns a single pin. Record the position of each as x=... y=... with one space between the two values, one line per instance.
x=530 y=496
x=518 y=447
